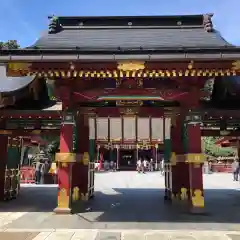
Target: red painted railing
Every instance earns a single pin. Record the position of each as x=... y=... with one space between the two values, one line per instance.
x=27 y=175
x=222 y=167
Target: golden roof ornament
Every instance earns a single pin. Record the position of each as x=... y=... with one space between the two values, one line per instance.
x=131 y=66
x=236 y=65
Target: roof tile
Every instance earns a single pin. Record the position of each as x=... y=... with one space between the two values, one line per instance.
x=130 y=38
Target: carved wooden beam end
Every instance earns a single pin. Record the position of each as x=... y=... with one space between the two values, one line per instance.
x=207 y=22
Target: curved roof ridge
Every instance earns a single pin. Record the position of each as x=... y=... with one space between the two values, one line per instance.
x=12 y=84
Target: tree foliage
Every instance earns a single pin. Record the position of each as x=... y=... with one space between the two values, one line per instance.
x=53 y=145
x=10 y=44
x=214 y=150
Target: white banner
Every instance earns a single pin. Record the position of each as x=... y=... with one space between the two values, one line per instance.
x=116 y=129
x=129 y=124
x=102 y=128
x=143 y=128
x=157 y=129
x=167 y=128
x=91 y=128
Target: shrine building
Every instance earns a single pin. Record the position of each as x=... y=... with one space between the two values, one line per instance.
x=127 y=87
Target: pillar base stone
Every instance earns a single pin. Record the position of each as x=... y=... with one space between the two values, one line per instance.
x=62 y=211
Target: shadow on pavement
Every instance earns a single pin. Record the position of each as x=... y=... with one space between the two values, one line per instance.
x=131 y=205
x=32 y=198
x=147 y=205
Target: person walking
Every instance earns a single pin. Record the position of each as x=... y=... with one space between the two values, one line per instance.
x=235 y=170
x=162 y=167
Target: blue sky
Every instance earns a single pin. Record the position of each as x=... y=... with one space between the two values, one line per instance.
x=25 y=20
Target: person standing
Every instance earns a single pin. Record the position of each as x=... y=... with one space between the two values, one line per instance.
x=145 y=163
x=42 y=170
x=235 y=170
x=111 y=165
x=38 y=172
x=151 y=165
x=139 y=165
x=162 y=166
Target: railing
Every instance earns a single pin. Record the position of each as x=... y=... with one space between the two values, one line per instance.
x=222 y=167
x=27 y=175
x=12 y=183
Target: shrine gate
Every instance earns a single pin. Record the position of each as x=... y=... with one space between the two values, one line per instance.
x=120 y=79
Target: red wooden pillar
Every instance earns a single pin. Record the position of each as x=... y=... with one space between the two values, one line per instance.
x=180 y=171
x=3 y=163
x=81 y=179
x=65 y=159
x=195 y=160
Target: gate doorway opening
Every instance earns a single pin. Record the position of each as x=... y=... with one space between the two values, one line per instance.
x=128 y=159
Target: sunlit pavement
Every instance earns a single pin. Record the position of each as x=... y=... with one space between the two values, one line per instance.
x=125 y=202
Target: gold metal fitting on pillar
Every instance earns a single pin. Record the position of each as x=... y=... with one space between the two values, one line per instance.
x=196 y=158
x=63 y=199
x=197 y=198
x=173 y=159
x=65 y=158
x=76 y=194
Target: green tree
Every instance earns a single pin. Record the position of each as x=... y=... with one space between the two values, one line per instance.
x=214 y=150
x=53 y=144
x=10 y=44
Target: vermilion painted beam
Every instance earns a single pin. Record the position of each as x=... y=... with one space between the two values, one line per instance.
x=112 y=65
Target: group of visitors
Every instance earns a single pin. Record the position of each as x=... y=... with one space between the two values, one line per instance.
x=41 y=169
x=106 y=166
x=144 y=165
x=109 y=166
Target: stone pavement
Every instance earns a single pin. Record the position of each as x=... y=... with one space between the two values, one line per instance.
x=124 y=200
x=68 y=234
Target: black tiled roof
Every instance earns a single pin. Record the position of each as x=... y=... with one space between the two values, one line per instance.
x=154 y=32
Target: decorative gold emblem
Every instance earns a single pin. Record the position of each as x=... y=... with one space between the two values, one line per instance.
x=190 y=65
x=85 y=196
x=129 y=111
x=183 y=195
x=19 y=66
x=236 y=66
x=63 y=199
x=36 y=132
x=85 y=159
x=173 y=159
x=75 y=195
x=198 y=199
x=131 y=66
x=129 y=103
